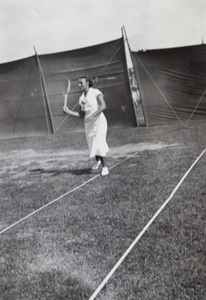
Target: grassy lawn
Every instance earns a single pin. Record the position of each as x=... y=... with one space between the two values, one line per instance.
x=66 y=249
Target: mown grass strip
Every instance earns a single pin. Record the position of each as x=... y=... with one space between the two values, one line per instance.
x=98 y=290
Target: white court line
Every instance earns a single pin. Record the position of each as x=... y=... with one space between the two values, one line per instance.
x=143 y=231
x=62 y=196
x=55 y=200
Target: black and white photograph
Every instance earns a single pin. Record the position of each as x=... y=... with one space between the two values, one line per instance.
x=102 y=150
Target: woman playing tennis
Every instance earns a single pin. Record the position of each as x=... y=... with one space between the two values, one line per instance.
x=91 y=107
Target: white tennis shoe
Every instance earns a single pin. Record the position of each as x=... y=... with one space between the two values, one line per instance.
x=105 y=171
x=96 y=165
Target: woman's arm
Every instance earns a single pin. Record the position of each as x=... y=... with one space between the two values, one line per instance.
x=70 y=112
x=101 y=106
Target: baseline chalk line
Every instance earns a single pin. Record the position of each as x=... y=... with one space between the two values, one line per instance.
x=49 y=203
x=97 y=291
x=62 y=196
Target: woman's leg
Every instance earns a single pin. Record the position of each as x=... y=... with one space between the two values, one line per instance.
x=97 y=157
x=98 y=162
x=103 y=160
x=105 y=170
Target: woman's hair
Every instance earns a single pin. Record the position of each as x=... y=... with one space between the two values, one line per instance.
x=90 y=80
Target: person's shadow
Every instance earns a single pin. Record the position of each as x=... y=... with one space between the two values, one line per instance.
x=55 y=172
x=81 y=171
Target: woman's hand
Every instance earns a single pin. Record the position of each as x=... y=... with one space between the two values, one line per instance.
x=65 y=109
x=70 y=112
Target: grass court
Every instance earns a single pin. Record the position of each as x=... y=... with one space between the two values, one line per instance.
x=63 y=227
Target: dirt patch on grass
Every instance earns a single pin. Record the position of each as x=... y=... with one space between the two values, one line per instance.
x=139 y=147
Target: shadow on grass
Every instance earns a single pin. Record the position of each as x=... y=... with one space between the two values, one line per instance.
x=55 y=172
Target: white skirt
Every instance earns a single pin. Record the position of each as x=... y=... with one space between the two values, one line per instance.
x=96 y=133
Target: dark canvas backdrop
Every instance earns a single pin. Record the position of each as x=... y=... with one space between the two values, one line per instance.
x=172 y=83
x=105 y=62
x=32 y=90
x=22 y=110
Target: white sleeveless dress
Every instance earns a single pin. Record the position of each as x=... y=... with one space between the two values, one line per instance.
x=95 y=128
